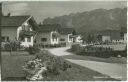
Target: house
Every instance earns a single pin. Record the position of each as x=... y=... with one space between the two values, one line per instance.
x=48 y=35
x=67 y=36
x=78 y=39
x=106 y=38
x=114 y=36
x=18 y=28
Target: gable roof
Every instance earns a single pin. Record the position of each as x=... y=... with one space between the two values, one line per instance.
x=10 y=21
x=49 y=28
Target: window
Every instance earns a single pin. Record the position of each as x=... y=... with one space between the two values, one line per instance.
x=5 y=38
x=23 y=39
x=62 y=39
x=43 y=39
x=29 y=39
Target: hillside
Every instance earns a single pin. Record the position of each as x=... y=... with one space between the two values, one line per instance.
x=92 y=21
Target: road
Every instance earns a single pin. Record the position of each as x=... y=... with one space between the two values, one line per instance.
x=114 y=70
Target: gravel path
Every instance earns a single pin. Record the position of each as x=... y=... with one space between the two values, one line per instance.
x=117 y=71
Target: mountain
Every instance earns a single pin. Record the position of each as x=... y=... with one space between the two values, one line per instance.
x=92 y=21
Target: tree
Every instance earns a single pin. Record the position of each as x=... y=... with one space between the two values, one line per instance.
x=99 y=38
x=90 y=38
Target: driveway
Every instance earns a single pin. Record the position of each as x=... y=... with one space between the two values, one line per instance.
x=114 y=70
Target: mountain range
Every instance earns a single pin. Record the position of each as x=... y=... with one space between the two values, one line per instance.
x=92 y=21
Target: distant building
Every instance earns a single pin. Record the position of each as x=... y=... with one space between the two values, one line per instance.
x=114 y=36
x=18 y=28
x=106 y=38
x=48 y=35
x=68 y=36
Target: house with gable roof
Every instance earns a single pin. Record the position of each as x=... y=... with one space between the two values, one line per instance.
x=68 y=36
x=18 y=28
x=115 y=36
x=48 y=35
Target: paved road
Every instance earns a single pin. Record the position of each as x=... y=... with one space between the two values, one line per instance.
x=117 y=71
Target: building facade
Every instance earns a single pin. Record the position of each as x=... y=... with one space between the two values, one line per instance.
x=48 y=35
x=15 y=26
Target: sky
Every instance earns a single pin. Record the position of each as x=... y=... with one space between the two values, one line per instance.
x=44 y=9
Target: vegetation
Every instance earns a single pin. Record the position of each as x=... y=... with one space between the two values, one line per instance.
x=32 y=50
x=63 y=71
x=11 y=46
x=104 y=52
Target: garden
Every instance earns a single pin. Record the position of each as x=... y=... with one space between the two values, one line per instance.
x=34 y=64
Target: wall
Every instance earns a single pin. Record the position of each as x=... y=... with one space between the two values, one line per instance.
x=43 y=35
x=54 y=41
x=78 y=39
x=9 y=31
x=70 y=40
x=106 y=38
x=63 y=37
x=25 y=43
x=67 y=41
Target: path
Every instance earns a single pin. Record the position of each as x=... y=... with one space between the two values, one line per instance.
x=117 y=71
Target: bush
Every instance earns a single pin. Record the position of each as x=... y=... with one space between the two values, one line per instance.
x=53 y=64
x=34 y=69
x=11 y=46
x=32 y=50
x=77 y=48
x=97 y=51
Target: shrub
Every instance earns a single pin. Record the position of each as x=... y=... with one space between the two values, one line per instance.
x=53 y=64
x=11 y=46
x=34 y=69
x=32 y=50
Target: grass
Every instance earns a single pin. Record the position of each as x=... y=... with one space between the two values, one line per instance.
x=12 y=64
x=79 y=73
x=12 y=70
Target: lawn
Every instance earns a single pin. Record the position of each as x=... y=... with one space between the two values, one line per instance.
x=12 y=70
x=12 y=64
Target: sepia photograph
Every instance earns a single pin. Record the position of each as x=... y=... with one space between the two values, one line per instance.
x=63 y=40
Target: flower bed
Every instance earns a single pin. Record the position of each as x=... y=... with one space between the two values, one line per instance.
x=44 y=65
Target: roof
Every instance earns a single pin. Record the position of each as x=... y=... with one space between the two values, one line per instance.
x=114 y=34
x=66 y=30
x=49 y=28
x=10 y=21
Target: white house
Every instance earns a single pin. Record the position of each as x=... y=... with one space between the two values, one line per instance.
x=48 y=35
x=66 y=36
x=18 y=28
x=106 y=38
